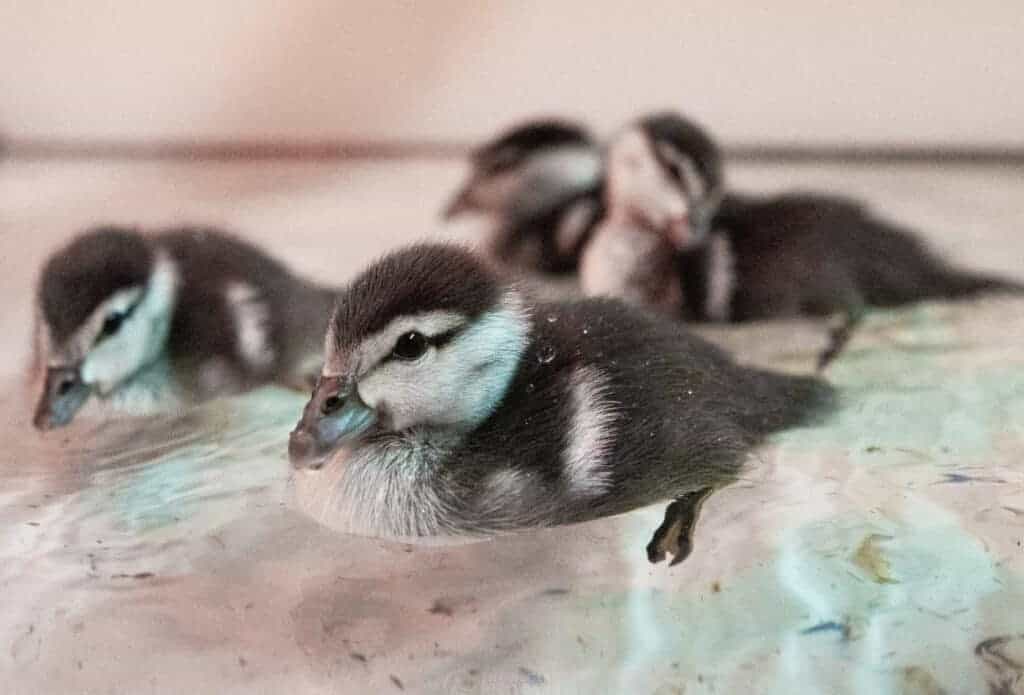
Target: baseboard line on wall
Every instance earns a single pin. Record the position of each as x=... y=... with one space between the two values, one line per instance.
x=327 y=150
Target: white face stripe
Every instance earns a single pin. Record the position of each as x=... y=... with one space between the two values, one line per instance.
x=376 y=347
x=591 y=433
x=252 y=325
x=377 y=490
x=141 y=338
x=459 y=384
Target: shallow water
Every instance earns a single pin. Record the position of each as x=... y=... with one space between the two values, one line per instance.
x=878 y=553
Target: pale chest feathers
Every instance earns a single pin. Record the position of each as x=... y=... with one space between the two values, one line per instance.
x=388 y=489
x=399 y=487
x=632 y=264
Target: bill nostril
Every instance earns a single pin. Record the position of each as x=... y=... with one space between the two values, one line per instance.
x=65 y=386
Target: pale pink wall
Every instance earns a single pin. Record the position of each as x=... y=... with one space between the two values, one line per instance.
x=805 y=71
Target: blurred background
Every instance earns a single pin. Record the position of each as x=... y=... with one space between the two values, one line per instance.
x=329 y=131
x=871 y=73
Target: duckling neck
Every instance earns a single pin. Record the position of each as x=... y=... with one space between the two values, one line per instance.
x=390 y=486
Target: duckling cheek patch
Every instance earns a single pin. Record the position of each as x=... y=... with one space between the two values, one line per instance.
x=579 y=166
x=115 y=359
x=549 y=178
x=140 y=339
x=456 y=384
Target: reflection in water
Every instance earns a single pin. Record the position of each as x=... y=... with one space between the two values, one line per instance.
x=879 y=553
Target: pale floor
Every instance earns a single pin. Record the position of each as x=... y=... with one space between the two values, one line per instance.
x=881 y=552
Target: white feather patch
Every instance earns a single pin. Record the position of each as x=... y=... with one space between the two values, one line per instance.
x=590 y=435
x=141 y=339
x=551 y=176
x=574 y=224
x=252 y=325
x=721 y=278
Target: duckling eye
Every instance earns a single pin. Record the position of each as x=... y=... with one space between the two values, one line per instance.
x=112 y=324
x=410 y=346
x=331 y=404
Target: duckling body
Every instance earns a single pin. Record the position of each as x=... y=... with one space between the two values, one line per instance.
x=517 y=414
x=761 y=257
x=814 y=254
x=141 y=323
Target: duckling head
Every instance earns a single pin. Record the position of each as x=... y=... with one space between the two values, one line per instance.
x=426 y=339
x=534 y=153
x=664 y=174
x=104 y=304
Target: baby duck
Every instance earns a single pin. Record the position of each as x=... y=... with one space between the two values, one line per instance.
x=763 y=257
x=450 y=403
x=540 y=183
x=663 y=185
x=142 y=323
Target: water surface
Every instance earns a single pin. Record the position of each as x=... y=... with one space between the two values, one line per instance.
x=881 y=552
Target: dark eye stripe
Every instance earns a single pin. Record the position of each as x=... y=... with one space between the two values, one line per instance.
x=442 y=339
x=125 y=315
x=437 y=341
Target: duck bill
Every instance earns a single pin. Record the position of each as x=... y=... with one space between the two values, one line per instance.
x=334 y=417
x=460 y=203
x=64 y=394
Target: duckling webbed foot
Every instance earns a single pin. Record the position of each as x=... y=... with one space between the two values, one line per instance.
x=675 y=535
x=841 y=334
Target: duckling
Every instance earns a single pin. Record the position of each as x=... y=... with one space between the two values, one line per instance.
x=818 y=255
x=764 y=257
x=540 y=183
x=451 y=403
x=143 y=323
x=663 y=183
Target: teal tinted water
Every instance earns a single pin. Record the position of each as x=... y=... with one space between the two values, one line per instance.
x=878 y=553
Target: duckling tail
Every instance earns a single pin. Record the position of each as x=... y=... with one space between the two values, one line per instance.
x=782 y=401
